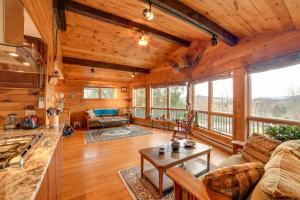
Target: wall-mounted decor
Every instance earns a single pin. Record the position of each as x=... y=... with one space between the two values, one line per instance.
x=123 y=89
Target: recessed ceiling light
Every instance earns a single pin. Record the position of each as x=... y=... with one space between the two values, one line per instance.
x=132 y=75
x=13 y=54
x=148 y=14
x=26 y=63
x=143 y=41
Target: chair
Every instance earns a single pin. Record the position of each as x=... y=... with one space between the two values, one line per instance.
x=183 y=126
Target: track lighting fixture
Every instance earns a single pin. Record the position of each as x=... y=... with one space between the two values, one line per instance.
x=92 y=70
x=143 y=40
x=214 y=40
x=148 y=14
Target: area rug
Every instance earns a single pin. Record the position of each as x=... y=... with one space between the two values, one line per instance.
x=113 y=133
x=141 y=189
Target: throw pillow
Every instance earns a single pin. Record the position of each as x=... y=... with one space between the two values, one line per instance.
x=91 y=113
x=236 y=181
x=282 y=178
x=259 y=148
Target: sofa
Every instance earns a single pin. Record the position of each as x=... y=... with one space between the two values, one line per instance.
x=108 y=118
x=265 y=169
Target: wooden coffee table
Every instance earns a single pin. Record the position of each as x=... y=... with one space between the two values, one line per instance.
x=169 y=159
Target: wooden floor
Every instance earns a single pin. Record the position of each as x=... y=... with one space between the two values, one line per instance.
x=91 y=170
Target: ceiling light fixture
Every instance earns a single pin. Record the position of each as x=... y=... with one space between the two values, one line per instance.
x=92 y=70
x=143 y=40
x=13 y=54
x=132 y=75
x=214 y=40
x=26 y=63
x=148 y=14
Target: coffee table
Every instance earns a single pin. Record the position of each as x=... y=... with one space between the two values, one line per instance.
x=111 y=121
x=169 y=159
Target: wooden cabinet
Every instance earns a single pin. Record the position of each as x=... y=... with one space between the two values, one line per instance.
x=51 y=183
x=10 y=79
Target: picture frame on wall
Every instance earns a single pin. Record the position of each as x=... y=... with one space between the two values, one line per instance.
x=123 y=89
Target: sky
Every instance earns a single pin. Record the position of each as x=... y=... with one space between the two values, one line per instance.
x=276 y=83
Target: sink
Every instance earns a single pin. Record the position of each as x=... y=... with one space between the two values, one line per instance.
x=15 y=150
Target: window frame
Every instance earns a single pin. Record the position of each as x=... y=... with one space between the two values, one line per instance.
x=99 y=93
x=133 y=102
x=210 y=114
x=259 y=123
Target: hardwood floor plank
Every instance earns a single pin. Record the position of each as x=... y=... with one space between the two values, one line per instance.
x=91 y=170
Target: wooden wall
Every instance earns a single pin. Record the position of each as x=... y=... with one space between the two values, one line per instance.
x=14 y=101
x=222 y=58
x=77 y=105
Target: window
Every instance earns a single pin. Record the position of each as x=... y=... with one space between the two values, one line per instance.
x=217 y=117
x=108 y=93
x=99 y=93
x=177 y=102
x=201 y=103
x=159 y=102
x=201 y=96
x=223 y=95
x=139 y=102
x=91 y=93
x=276 y=93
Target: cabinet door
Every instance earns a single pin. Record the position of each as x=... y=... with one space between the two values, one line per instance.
x=52 y=178
x=59 y=164
x=19 y=80
x=44 y=190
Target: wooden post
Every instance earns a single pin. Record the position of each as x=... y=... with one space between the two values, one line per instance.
x=240 y=104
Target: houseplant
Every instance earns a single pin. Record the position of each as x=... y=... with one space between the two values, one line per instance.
x=283 y=132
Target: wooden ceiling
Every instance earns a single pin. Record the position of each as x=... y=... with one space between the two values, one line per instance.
x=92 y=39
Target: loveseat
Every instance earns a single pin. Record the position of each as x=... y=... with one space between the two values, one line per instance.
x=264 y=170
x=111 y=117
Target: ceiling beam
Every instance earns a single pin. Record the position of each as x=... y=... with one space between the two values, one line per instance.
x=189 y=15
x=120 y=21
x=103 y=65
x=59 y=13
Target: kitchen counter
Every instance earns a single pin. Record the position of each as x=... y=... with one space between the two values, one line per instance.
x=24 y=183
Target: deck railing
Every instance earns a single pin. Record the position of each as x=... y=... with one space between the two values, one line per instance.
x=174 y=114
x=222 y=123
x=218 y=122
x=260 y=124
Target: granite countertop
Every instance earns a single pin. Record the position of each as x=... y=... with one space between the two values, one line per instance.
x=24 y=183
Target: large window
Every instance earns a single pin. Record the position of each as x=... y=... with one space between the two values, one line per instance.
x=139 y=102
x=159 y=102
x=177 y=102
x=223 y=95
x=276 y=93
x=201 y=103
x=213 y=102
x=169 y=102
x=99 y=93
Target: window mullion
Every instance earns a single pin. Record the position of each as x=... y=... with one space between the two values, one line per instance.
x=210 y=95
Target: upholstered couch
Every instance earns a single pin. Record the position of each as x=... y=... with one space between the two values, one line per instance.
x=111 y=117
x=279 y=176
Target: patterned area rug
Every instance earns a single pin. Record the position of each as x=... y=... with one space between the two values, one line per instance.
x=141 y=189
x=113 y=133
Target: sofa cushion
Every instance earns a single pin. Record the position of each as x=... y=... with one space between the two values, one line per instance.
x=236 y=181
x=106 y=112
x=232 y=160
x=282 y=178
x=259 y=148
